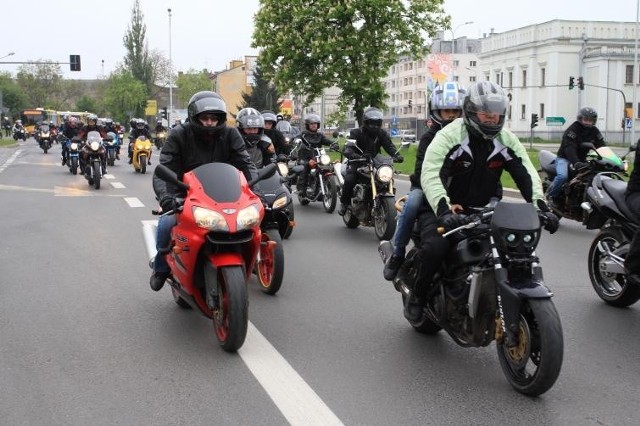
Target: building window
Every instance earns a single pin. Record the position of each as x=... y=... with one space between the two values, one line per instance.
x=472 y=63
x=472 y=79
x=523 y=112
x=628 y=78
x=524 y=78
x=510 y=79
x=542 y=78
x=498 y=78
x=509 y=113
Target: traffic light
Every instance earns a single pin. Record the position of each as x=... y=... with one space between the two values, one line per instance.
x=410 y=103
x=534 y=120
x=163 y=113
x=74 y=62
x=571 y=83
x=580 y=83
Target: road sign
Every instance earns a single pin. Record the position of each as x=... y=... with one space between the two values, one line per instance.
x=555 y=121
x=394 y=131
x=627 y=122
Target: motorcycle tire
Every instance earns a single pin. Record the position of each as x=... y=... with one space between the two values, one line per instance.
x=96 y=175
x=287 y=229
x=142 y=161
x=302 y=199
x=179 y=300
x=385 y=218
x=45 y=149
x=424 y=325
x=350 y=219
x=614 y=289
x=534 y=364
x=330 y=194
x=74 y=166
x=270 y=267
x=231 y=316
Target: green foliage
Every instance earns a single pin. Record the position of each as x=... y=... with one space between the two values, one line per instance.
x=192 y=82
x=41 y=82
x=137 y=60
x=350 y=44
x=263 y=96
x=13 y=97
x=86 y=103
x=124 y=96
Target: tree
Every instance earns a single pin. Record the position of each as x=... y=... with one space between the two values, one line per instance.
x=191 y=82
x=124 y=96
x=263 y=96
x=350 y=44
x=137 y=60
x=86 y=103
x=13 y=97
x=41 y=82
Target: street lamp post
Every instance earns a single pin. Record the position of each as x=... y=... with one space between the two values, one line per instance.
x=8 y=54
x=170 y=75
x=453 y=48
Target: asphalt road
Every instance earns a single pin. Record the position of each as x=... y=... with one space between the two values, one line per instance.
x=83 y=340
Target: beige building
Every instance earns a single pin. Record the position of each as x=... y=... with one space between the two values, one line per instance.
x=234 y=81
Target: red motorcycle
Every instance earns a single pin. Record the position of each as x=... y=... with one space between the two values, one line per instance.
x=214 y=245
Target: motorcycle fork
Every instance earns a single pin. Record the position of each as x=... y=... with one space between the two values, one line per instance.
x=508 y=300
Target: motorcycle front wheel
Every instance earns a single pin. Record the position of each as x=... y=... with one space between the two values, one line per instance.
x=385 y=218
x=533 y=365
x=613 y=288
x=74 y=165
x=142 y=161
x=231 y=316
x=270 y=267
x=330 y=194
x=96 y=174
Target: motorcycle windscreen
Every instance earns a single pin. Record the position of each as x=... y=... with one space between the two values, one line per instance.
x=611 y=157
x=271 y=187
x=515 y=216
x=220 y=181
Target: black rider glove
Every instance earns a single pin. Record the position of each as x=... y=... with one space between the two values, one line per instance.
x=168 y=203
x=334 y=146
x=451 y=221
x=550 y=221
x=398 y=158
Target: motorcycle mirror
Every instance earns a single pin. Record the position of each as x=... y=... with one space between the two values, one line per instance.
x=588 y=145
x=168 y=175
x=632 y=147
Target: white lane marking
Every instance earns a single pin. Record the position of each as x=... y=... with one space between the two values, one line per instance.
x=133 y=202
x=109 y=176
x=10 y=160
x=118 y=185
x=295 y=399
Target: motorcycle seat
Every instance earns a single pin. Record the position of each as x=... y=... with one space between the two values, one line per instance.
x=616 y=189
x=548 y=162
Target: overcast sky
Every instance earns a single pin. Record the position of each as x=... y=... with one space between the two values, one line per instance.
x=210 y=33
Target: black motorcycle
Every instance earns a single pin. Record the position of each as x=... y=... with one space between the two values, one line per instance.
x=43 y=136
x=19 y=134
x=373 y=200
x=490 y=287
x=602 y=159
x=322 y=184
x=606 y=209
x=277 y=224
x=95 y=153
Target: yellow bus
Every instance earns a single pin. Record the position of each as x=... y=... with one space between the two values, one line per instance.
x=32 y=117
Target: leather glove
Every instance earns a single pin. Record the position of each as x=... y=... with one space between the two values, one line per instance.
x=551 y=221
x=451 y=221
x=334 y=146
x=168 y=203
x=398 y=158
x=283 y=157
x=580 y=165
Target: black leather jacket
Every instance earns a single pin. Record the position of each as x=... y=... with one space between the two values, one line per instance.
x=575 y=134
x=370 y=143
x=183 y=152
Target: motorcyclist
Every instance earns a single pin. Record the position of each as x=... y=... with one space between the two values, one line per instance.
x=276 y=136
x=443 y=108
x=370 y=137
x=160 y=127
x=204 y=138
x=110 y=127
x=632 y=196
x=17 y=126
x=6 y=125
x=92 y=126
x=251 y=125
x=311 y=138
x=70 y=131
x=139 y=128
x=571 y=154
x=462 y=169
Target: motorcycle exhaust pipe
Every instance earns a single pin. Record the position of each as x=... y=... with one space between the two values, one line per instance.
x=385 y=250
x=149 y=229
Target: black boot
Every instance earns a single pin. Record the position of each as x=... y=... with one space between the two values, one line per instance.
x=156 y=282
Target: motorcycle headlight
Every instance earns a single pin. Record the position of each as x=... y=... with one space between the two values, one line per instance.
x=248 y=217
x=95 y=146
x=284 y=169
x=74 y=146
x=209 y=219
x=280 y=202
x=385 y=173
x=518 y=242
x=325 y=160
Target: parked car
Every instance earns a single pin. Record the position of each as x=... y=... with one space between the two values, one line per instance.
x=407 y=136
x=345 y=133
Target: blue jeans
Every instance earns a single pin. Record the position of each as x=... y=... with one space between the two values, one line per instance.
x=406 y=219
x=163 y=238
x=562 y=175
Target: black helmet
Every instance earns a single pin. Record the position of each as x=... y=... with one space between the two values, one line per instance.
x=310 y=119
x=269 y=116
x=250 y=118
x=488 y=97
x=588 y=113
x=449 y=96
x=207 y=101
x=371 y=120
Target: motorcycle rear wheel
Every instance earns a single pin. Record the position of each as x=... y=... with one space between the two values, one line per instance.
x=533 y=365
x=614 y=289
x=350 y=219
x=270 y=267
x=231 y=317
x=385 y=218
